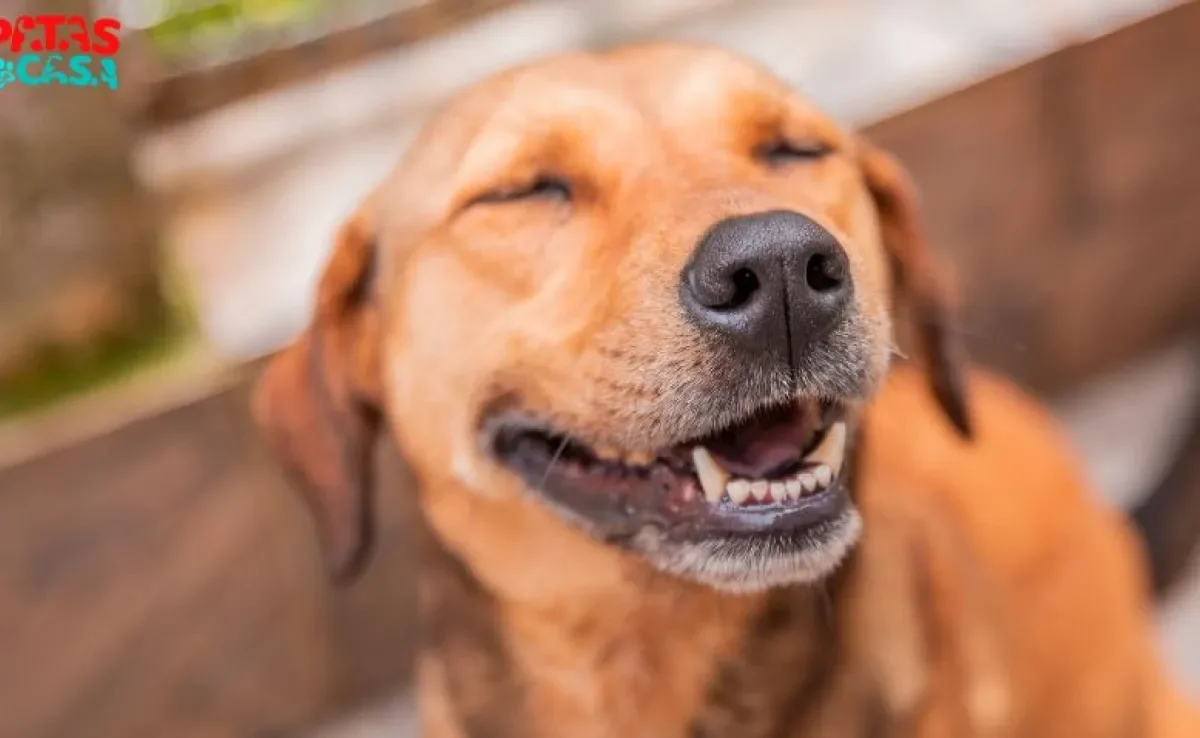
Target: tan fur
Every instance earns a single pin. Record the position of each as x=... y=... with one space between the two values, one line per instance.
x=989 y=595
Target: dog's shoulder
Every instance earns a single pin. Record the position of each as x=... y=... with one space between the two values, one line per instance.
x=1029 y=557
x=1015 y=489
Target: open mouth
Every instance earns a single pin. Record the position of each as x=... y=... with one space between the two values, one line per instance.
x=779 y=470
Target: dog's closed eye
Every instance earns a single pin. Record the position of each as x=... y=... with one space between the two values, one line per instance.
x=781 y=152
x=546 y=187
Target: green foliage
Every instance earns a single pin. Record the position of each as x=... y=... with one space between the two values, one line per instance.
x=164 y=327
x=190 y=26
x=60 y=375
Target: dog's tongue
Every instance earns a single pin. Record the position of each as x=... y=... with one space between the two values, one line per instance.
x=767 y=444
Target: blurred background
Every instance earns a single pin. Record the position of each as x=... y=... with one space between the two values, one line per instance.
x=157 y=576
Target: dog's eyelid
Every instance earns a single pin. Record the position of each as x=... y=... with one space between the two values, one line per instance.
x=783 y=150
x=547 y=186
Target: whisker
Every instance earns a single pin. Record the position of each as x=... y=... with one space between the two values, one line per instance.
x=553 y=460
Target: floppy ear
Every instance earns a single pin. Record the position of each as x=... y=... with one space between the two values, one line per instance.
x=317 y=402
x=923 y=293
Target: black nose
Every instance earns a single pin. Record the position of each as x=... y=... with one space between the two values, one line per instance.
x=773 y=283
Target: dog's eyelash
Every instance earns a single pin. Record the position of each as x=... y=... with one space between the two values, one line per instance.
x=542 y=187
x=783 y=151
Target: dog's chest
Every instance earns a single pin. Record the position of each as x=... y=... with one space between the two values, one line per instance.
x=668 y=662
x=771 y=669
x=788 y=678
x=633 y=668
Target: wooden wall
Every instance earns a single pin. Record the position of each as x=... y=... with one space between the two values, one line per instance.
x=162 y=580
x=1067 y=192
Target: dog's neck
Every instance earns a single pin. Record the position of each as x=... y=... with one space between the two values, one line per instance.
x=648 y=655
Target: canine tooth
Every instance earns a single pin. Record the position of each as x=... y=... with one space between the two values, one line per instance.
x=760 y=489
x=778 y=491
x=824 y=476
x=808 y=482
x=712 y=477
x=794 y=488
x=832 y=449
x=739 y=491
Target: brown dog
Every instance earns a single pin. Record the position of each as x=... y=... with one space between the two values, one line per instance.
x=630 y=318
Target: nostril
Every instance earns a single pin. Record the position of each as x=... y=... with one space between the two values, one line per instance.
x=745 y=284
x=722 y=290
x=824 y=273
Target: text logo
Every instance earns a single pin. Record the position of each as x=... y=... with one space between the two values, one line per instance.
x=59 y=50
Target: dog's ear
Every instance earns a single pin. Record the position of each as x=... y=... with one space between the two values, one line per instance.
x=923 y=292
x=318 y=402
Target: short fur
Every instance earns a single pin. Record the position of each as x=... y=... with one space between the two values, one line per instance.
x=989 y=595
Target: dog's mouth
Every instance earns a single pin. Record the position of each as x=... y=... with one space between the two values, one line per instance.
x=778 y=471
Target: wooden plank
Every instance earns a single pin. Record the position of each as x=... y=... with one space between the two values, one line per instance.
x=162 y=580
x=1065 y=192
x=183 y=95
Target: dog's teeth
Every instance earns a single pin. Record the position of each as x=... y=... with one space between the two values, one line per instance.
x=808 y=482
x=739 y=491
x=760 y=489
x=712 y=477
x=778 y=491
x=832 y=449
x=794 y=488
x=824 y=476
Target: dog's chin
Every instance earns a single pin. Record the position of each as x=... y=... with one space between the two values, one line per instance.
x=749 y=564
x=762 y=503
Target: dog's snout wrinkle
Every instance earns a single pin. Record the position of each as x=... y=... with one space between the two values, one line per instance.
x=772 y=283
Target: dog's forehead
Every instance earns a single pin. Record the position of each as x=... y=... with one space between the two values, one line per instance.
x=612 y=101
x=672 y=77
x=675 y=85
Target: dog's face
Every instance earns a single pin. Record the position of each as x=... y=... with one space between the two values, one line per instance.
x=649 y=291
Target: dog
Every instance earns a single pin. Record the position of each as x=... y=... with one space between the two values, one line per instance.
x=641 y=323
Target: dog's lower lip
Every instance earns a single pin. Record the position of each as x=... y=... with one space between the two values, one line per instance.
x=824 y=506
x=617 y=499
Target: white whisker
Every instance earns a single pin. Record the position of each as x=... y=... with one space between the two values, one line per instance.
x=553 y=460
